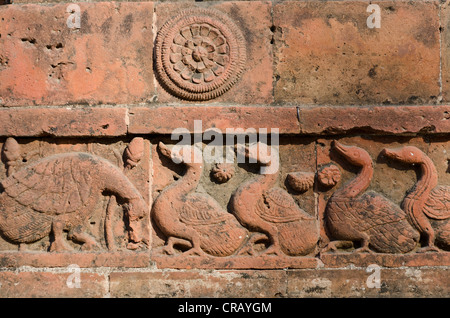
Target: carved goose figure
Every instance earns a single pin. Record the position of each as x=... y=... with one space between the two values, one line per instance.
x=262 y=207
x=426 y=199
x=59 y=193
x=192 y=218
x=367 y=217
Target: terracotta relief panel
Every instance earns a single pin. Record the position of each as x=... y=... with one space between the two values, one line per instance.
x=300 y=203
x=391 y=199
x=71 y=196
x=379 y=200
x=233 y=215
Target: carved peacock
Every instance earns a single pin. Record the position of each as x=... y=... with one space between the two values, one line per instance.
x=262 y=207
x=58 y=193
x=194 y=219
x=426 y=200
x=367 y=217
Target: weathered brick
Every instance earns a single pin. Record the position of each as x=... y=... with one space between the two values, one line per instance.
x=84 y=260
x=107 y=60
x=175 y=284
x=385 y=260
x=163 y=120
x=51 y=284
x=445 y=50
x=326 y=54
x=376 y=120
x=343 y=283
x=79 y=122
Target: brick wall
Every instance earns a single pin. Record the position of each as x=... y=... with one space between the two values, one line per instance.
x=355 y=94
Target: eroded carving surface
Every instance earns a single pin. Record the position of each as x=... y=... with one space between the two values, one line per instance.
x=366 y=217
x=59 y=194
x=426 y=200
x=263 y=207
x=194 y=219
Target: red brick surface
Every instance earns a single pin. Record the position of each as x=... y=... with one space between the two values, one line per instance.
x=51 y=285
x=83 y=260
x=326 y=54
x=107 y=60
x=154 y=120
x=59 y=122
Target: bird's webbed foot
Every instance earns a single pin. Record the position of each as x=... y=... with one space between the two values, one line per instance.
x=273 y=250
x=333 y=246
x=89 y=243
x=363 y=249
x=429 y=249
x=195 y=251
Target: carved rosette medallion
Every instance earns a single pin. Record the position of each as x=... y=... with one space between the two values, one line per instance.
x=200 y=54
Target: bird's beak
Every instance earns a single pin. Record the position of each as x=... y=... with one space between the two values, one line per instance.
x=164 y=150
x=391 y=153
x=339 y=147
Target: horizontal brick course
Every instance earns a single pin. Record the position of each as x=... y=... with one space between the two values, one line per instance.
x=61 y=122
x=84 y=260
x=34 y=284
x=119 y=121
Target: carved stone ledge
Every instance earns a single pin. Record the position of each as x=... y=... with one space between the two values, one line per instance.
x=63 y=122
x=291 y=120
x=235 y=262
x=149 y=120
x=385 y=260
x=86 y=259
x=314 y=120
x=433 y=119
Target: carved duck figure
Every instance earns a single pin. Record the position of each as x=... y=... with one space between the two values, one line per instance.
x=426 y=199
x=367 y=217
x=186 y=217
x=59 y=193
x=262 y=207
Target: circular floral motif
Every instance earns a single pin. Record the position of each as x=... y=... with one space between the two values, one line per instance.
x=222 y=172
x=200 y=54
x=329 y=175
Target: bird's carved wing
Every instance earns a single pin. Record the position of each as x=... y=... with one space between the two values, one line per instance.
x=54 y=185
x=200 y=209
x=438 y=204
x=372 y=210
x=277 y=206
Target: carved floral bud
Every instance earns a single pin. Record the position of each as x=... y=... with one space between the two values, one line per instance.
x=329 y=175
x=222 y=172
x=134 y=152
x=11 y=150
x=300 y=181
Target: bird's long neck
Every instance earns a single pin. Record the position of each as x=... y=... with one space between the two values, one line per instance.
x=358 y=185
x=186 y=184
x=114 y=181
x=418 y=195
x=264 y=182
x=251 y=191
